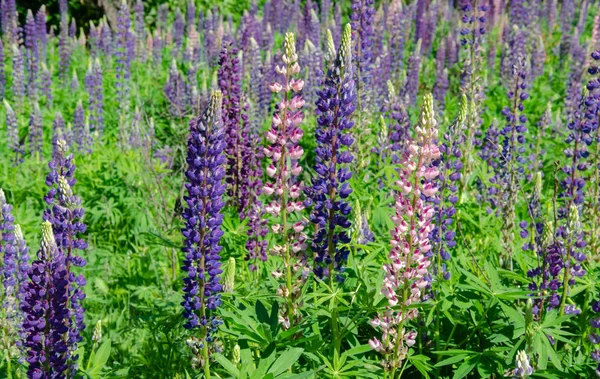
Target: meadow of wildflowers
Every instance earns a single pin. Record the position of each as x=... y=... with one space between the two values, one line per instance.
x=300 y=189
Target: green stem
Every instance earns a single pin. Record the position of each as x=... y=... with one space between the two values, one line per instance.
x=206 y=362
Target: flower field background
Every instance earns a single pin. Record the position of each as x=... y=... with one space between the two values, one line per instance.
x=300 y=189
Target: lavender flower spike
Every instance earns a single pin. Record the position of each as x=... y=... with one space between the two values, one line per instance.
x=203 y=218
x=330 y=187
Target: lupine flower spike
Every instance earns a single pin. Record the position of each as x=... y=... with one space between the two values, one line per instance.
x=284 y=188
x=406 y=273
x=330 y=188
x=202 y=231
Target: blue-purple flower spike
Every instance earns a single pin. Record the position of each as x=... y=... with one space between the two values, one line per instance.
x=65 y=215
x=330 y=188
x=203 y=218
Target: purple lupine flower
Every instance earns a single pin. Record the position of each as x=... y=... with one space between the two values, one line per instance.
x=65 y=214
x=190 y=15
x=396 y=42
x=538 y=57
x=441 y=83
x=18 y=77
x=330 y=188
x=256 y=87
x=421 y=20
x=10 y=21
x=94 y=40
x=203 y=220
x=45 y=306
x=174 y=90
x=157 y=48
x=362 y=34
x=178 y=32
x=510 y=168
x=399 y=131
x=74 y=82
x=31 y=55
x=46 y=85
x=41 y=32
x=337 y=23
x=81 y=131
x=312 y=60
x=2 y=71
x=73 y=30
x=140 y=31
x=64 y=47
x=574 y=85
x=450 y=167
x=413 y=68
x=36 y=140
x=97 y=117
x=12 y=135
x=163 y=13
x=122 y=61
x=13 y=273
x=58 y=133
x=106 y=38
x=325 y=10
x=235 y=120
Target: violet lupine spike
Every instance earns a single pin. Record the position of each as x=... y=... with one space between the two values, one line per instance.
x=409 y=261
x=399 y=131
x=94 y=40
x=64 y=46
x=45 y=309
x=81 y=137
x=256 y=87
x=42 y=33
x=362 y=35
x=203 y=218
x=190 y=15
x=313 y=61
x=106 y=38
x=12 y=135
x=441 y=83
x=413 y=68
x=174 y=90
x=46 y=85
x=178 y=33
x=511 y=161
x=450 y=167
x=122 y=57
x=65 y=214
x=10 y=21
x=140 y=31
x=396 y=43
x=283 y=186
x=31 y=55
x=74 y=82
x=35 y=137
x=58 y=133
x=330 y=188
x=2 y=71
x=73 y=30
x=15 y=261
x=98 y=95
x=235 y=119
x=18 y=77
